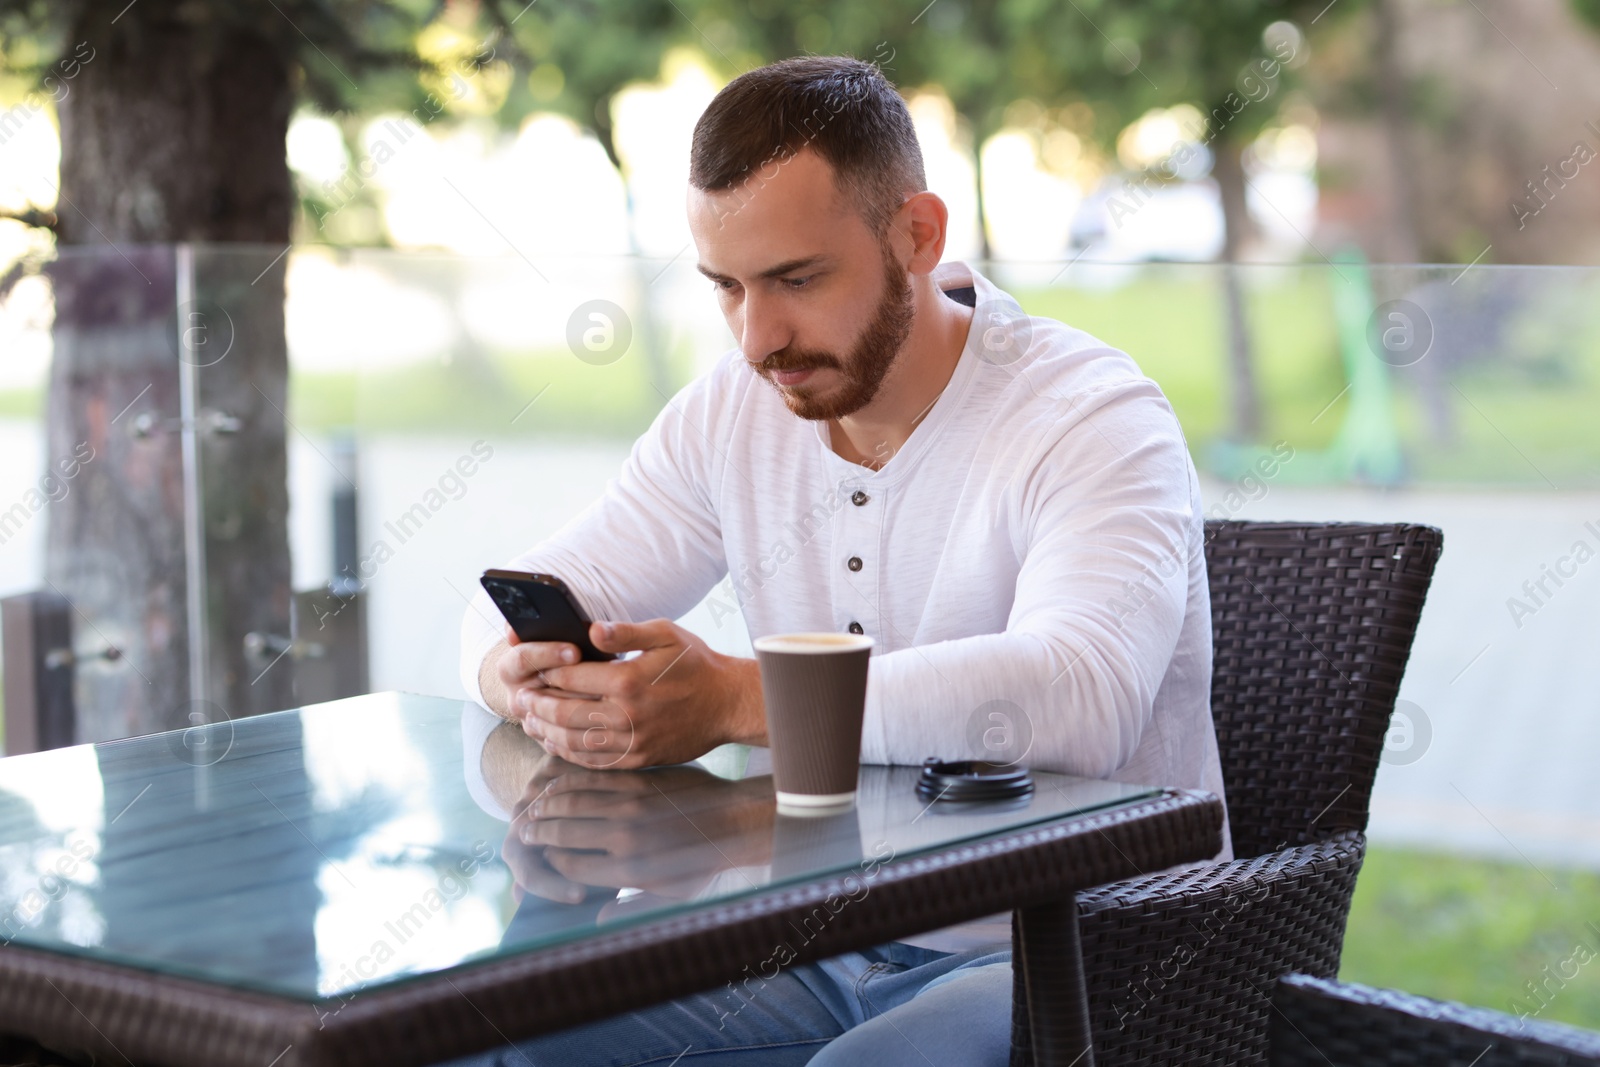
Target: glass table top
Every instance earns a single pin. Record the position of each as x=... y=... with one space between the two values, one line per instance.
x=340 y=846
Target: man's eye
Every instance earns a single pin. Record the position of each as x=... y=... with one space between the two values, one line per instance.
x=724 y=284
x=797 y=283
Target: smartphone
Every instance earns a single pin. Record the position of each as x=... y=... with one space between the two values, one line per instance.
x=540 y=607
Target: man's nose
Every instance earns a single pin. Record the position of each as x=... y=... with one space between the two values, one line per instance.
x=763 y=329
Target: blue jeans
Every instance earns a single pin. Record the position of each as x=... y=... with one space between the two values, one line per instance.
x=888 y=1006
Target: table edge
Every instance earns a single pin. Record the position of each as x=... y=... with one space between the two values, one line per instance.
x=121 y=1011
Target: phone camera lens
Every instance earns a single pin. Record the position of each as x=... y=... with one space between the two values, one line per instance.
x=520 y=603
x=514 y=601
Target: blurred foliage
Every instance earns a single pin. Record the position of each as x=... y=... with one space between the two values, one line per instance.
x=496 y=57
x=1087 y=68
x=575 y=400
x=328 y=42
x=1072 y=73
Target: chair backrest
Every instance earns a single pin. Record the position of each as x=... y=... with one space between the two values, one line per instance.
x=1320 y=1022
x=1312 y=624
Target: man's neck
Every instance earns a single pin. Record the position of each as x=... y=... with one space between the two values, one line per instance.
x=873 y=435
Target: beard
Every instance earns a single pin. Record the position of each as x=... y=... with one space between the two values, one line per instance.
x=870 y=360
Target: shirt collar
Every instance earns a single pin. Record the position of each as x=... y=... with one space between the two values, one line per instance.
x=953 y=274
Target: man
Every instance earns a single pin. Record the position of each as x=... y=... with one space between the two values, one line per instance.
x=1003 y=503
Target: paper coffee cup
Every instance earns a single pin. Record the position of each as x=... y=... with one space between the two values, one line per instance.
x=815 y=688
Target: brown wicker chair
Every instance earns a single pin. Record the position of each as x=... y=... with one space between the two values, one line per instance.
x=1317 y=1022
x=1312 y=627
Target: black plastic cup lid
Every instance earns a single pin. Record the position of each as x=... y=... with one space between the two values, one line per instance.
x=969 y=780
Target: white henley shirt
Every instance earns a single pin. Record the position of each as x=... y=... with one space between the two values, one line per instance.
x=1033 y=552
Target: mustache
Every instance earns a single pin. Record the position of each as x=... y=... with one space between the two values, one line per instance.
x=790 y=361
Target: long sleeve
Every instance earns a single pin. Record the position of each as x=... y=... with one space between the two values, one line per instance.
x=1032 y=551
x=1109 y=514
x=650 y=547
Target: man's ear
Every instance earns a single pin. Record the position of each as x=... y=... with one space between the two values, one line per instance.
x=925 y=221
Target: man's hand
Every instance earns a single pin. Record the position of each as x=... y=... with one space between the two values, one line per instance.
x=512 y=665
x=667 y=831
x=672 y=703
x=530 y=872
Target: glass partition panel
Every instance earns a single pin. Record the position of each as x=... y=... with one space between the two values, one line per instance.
x=398 y=422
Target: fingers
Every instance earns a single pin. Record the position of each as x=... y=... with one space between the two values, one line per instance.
x=542 y=880
x=602 y=835
x=634 y=636
x=531 y=872
x=547 y=711
x=580 y=779
x=594 y=868
x=521 y=663
x=619 y=681
x=549 y=772
x=616 y=807
x=587 y=792
x=626 y=760
x=585 y=732
x=625 y=681
x=589 y=748
x=590 y=790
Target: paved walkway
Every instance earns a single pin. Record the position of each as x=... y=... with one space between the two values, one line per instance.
x=1502 y=760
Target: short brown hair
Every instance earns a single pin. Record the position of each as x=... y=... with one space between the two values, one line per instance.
x=843 y=108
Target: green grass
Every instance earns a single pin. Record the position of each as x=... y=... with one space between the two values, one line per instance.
x=22 y=403
x=1477 y=931
x=1525 y=418
x=493 y=393
x=1175 y=330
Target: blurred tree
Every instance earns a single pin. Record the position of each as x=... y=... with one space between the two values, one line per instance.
x=581 y=55
x=1230 y=59
x=764 y=31
x=173 y=118
x=985 y=55
x=963 y=48
x=1490 y=98
x=1087 y=68
x=1395 y=107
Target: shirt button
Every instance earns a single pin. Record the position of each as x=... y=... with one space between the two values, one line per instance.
x=855 y=628
x=858 y=498
x=854 y=563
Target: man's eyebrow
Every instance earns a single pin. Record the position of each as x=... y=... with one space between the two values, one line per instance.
x=786 y=267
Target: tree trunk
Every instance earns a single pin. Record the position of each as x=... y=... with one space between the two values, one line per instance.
x=1229 y=173
x=649 y=334
x=1394 y=104
x=985 y=252
x=173 y=131
x=1404 y=245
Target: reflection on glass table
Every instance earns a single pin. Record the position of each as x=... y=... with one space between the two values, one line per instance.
x=341 y=846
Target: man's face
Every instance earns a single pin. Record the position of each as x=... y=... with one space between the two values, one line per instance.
x=819 y=306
